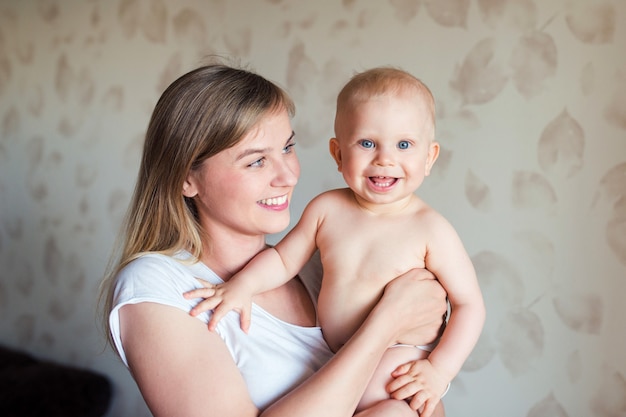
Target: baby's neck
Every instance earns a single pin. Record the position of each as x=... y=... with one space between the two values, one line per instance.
x=398 y=207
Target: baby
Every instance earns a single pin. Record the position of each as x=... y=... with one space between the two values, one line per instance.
x=372 y=232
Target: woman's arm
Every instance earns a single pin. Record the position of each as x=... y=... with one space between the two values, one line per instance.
x=411 y=304
x=184 y=370
x=181 y=368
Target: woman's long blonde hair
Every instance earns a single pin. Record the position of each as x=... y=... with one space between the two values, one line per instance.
x=200 y=114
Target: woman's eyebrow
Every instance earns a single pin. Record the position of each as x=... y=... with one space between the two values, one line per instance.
x=254 y=151
x=251 y=151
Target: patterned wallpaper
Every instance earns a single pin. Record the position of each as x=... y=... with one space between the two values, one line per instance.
x=531 y=99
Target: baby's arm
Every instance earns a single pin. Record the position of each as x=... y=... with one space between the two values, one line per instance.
x=269 y=269
x=447 y=259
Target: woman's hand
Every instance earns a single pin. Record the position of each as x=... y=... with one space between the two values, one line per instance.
x=417 y=303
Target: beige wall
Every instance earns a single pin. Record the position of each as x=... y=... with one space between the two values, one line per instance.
x=531 y=102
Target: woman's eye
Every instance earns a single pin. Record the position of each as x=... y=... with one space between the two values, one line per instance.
x=404 y=144
x=258 y=163
x=289 y=148
x=367 y=144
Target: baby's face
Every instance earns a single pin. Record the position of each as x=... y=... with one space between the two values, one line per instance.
x=384 y=146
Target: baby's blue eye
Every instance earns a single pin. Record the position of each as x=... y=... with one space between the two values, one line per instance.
x=366 y=143
x=404 y=144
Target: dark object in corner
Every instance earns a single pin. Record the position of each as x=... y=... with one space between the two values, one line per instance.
x=32 y=387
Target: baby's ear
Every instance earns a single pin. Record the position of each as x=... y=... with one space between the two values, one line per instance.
x=433 y=153
x=335 y=151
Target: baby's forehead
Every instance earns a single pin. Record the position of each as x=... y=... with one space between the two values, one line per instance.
x=417 y=100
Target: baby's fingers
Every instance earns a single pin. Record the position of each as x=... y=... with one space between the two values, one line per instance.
x=219 y=312
x=429 y=407
x=403 y=387
x=205 y=305
x=199 y=293
x=419 y=402
x=244 y=318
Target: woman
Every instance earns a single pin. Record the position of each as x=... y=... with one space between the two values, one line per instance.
x=217 y=174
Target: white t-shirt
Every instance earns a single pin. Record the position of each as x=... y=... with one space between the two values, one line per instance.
x=273 y=357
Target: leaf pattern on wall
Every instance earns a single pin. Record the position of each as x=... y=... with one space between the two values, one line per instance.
x=130 y=50
x=548 y=407
x=616 y=230
x=482 y=354
x=3 y=292
x=538 y=251
x=10 y=126
x=480 y=78
x=5 y=66
x=587 y=78
x=561 y=146
x=500 y=282
x=154 y=24
x=301 y=70
x=520 y=339
x=534 y=59
x=24 y=328
x=592 y=22
x=615 y=109
x=449 y=13
x=189 y=27
x=532 y=190
x=240 y=43
x=128 y=13
x=519 y=14
x=477 y=192
x=610 y=398
x=405 y=10
x=574 y=367
x=580 y=312
x=612 y=190
x=52 y=260
x=73 y=86
x=116 y=206
x=48 y=11
x=113 y=99
x=612 y=186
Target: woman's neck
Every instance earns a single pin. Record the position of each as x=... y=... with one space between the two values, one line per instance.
x=227 y=253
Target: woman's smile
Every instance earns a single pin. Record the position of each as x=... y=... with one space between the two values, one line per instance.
x=275 y=203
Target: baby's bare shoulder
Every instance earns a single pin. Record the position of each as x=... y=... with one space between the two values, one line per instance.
x=431 y=219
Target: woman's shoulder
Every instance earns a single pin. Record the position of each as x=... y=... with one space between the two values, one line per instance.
x=158 y=276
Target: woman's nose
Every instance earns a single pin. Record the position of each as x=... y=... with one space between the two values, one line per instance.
x=287 y=173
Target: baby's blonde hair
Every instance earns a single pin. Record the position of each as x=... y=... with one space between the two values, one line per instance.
x=382 y=81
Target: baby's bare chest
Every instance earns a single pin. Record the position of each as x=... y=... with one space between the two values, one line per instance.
x=371 y=251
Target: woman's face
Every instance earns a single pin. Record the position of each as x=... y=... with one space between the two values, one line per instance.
x=247 y=188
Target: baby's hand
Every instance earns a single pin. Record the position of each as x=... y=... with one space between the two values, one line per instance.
x=222 y=298
x=420 y=380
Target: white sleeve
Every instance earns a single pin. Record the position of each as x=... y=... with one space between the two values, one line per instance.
x=151 y=278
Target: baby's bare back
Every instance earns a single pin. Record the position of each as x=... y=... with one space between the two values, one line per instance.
x=361 y=253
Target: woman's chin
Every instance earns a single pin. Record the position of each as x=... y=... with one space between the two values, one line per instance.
x=277 y=226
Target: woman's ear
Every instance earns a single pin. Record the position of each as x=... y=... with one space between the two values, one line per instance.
x=433 y=153
x=335 y=151
x=189 y=187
